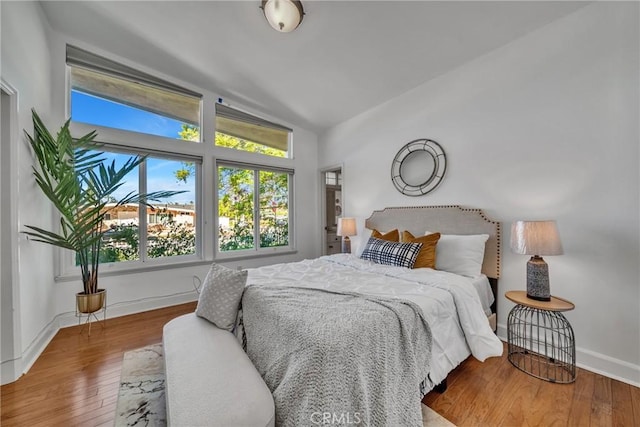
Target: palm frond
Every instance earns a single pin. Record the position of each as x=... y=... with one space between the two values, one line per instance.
x=78 y=180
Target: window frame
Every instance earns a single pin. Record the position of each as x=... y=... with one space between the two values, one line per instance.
x=209 y=155
x=69 y=270
x=225 y=112
x=256 y=250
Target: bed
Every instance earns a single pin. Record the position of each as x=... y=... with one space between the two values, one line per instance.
x=332 y=336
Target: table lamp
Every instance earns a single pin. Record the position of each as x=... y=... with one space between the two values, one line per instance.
x=346 y=228
x=536 y=238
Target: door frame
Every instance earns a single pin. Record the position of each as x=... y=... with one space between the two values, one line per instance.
x=11 y=370
x=323 y=201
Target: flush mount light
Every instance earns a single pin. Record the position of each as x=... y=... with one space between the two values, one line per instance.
x=283 y=15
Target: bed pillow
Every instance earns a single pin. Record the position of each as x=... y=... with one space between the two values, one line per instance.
x=461 y=254
x=391 y=253
x=220 y=296
x=392 y=236
x=427 y=256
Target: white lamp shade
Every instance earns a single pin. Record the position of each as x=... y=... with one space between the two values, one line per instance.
x=535 y=238
x=283 y=15
x=347 y=227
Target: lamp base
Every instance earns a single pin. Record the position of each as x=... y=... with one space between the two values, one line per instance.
x=538 y=279
x=346 y=245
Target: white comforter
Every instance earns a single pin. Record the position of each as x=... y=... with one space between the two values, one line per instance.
x=449 y=302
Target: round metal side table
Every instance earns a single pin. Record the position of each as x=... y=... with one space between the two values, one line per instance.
x=540 y=339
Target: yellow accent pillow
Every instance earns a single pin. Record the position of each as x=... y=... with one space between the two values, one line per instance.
x=391 y=236
x=427 y=256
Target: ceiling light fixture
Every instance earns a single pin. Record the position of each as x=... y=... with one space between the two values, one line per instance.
x=283 y=15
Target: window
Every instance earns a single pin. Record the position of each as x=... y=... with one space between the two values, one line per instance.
x=169 y=227
x=250 y=157
x=109 y=94
x=242 y=131
x=253 y=208
x=333 y=178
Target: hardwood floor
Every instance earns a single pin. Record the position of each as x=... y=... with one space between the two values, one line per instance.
x=75 y=380
x=495 y=393
x=75 y=383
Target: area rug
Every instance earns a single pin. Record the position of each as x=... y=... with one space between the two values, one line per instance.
x=141 y=399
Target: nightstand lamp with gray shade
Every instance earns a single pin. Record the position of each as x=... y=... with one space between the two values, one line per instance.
x=346 y=228
x=536 y=238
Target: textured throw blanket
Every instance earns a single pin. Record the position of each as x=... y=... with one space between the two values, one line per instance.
x=338 y=358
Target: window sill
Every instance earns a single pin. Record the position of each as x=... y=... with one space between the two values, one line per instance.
x=252 y=255
x=105 y=272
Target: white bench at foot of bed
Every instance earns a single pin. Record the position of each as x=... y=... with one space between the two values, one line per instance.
x=210 y=381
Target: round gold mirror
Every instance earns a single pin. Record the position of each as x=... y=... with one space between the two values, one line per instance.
x=418 y=167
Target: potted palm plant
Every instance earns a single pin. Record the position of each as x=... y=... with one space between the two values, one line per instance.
x=81 y=184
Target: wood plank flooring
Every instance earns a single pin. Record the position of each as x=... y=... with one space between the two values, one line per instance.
x=494 y=393
x=75 y=383
x=75 y=380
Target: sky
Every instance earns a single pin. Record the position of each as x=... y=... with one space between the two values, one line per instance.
x=97 y=111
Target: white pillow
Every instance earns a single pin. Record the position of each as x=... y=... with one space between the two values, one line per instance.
x=461 y=254
x=220 y=296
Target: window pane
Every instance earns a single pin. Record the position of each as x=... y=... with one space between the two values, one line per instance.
x=103 y=100
x=171 y=226
x=120 y=242
x=224 y=140
x=333 y=178
x=241 y=131
x=235 y=208
x=274 y=209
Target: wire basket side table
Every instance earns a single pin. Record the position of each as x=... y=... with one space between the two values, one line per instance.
x=540 y=338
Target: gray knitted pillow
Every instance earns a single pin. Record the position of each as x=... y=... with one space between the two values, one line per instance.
x=220 y=296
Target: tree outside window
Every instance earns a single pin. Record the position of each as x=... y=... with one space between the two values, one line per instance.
x=237 y=189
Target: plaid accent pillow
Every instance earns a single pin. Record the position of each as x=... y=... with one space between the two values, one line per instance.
x=391 y=253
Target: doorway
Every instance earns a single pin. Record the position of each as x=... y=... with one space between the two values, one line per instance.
x=9 y=343
x=332 y=208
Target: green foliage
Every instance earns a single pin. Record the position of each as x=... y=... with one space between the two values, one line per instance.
x=178 y=239
x=188 y=169
x=81 y=185
x=192 y=133
x=274 y=234
x=236 y=196
x=121 y=242
x=189 y=133
x=228 y=141
x=239 y=237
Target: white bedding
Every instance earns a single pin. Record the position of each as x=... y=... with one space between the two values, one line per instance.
x=456 y=333
x=482 y=285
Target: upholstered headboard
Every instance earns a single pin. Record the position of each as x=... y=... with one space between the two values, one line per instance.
x=452 y=219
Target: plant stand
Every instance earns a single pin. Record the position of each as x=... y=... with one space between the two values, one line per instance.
x=87 y=320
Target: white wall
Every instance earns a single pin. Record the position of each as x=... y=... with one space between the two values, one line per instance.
x=33 y=63
x=26 y=67
x=545 y=127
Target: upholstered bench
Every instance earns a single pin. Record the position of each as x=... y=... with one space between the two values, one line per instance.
x=210 y=381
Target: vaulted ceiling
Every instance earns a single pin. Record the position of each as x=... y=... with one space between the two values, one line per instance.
x=345 y=58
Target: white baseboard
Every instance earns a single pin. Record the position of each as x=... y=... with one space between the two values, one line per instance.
x=599 y=363
x=9 y=371
x=13 y=369
x=132 y=307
